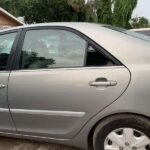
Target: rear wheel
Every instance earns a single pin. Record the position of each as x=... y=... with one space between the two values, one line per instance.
x=123 y=132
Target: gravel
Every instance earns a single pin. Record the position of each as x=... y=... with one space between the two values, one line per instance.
x=17 y=144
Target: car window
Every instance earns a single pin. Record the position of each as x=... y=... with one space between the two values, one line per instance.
x=52 y=49
x=6 y=42
x=96 y=58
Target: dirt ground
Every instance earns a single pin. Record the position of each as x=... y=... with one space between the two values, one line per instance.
x=16 y=144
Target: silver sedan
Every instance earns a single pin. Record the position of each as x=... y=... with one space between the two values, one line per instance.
x=80 y=84
x=144 y=31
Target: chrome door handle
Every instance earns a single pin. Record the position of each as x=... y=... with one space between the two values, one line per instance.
x=2 y=86
x=103 y=82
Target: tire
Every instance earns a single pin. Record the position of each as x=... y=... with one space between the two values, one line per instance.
x=121 y=124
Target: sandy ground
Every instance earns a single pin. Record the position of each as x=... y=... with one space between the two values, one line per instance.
x=16 y=144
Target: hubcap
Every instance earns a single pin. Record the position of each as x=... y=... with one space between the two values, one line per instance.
x=127 y=139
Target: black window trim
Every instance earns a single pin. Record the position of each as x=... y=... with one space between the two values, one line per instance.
x=16 y=62
x=13 y=48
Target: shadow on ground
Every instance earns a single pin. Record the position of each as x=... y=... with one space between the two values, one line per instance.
x=16 y=144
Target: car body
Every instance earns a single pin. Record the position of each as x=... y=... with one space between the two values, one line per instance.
x=145 y=31
x=59 y=81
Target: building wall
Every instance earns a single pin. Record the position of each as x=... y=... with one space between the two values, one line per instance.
x=7 y=21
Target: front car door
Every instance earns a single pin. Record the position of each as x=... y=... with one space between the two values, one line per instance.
x=62 y=81
x=6 y=45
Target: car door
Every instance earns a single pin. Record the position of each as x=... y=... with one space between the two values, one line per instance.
x=6 y=44
x=63 y=80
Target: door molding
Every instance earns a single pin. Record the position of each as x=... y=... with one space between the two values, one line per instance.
x=48 y=112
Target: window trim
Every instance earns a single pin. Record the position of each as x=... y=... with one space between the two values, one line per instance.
x=89 y=41
x=13 y=48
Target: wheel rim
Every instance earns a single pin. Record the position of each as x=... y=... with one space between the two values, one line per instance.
x=127 y=139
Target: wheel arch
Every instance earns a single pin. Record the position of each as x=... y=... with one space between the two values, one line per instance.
x=92 y=130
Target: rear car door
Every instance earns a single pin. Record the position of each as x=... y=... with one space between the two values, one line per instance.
x=62 y=81
x=6 y=45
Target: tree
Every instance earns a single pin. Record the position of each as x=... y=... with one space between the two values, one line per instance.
x=36 y=11
x=104 y=13
x=78 y=9
x=13 y=6
x=122 y=12
x=116 y=12
x=47 y=11
x=140 y=22
x=91 y=15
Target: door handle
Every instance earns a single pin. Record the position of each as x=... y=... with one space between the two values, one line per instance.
x=2 y=86
x=103 y=82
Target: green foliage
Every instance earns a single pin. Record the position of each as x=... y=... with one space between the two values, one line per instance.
x=77 y=10
x=115 y=12
x=91 y=15
x=47 y=10
x=122 y=12
x=104 y=12
x=140 y=22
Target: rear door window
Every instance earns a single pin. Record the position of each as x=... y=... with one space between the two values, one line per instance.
x=51 y=48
